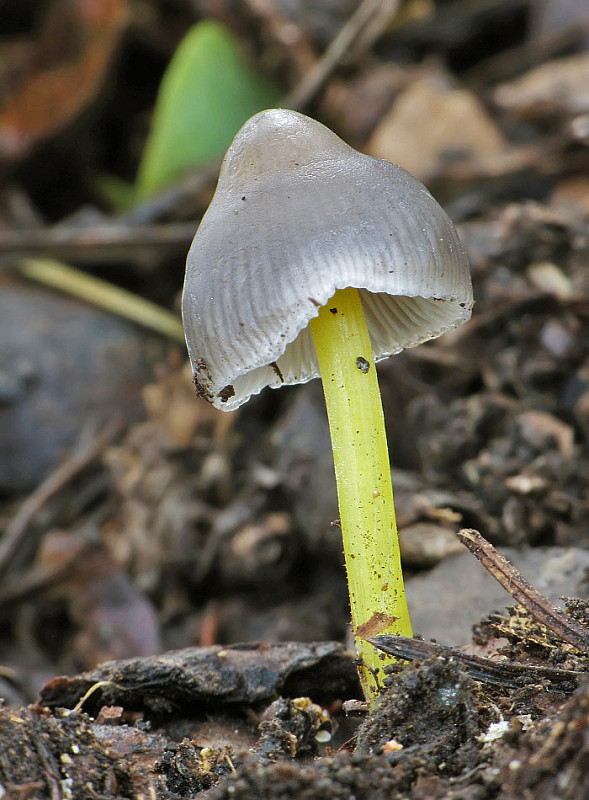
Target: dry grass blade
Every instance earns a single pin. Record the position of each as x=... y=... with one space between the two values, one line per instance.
x=368 y=21
x=104 y=295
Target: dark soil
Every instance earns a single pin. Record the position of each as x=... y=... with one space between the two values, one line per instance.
x=434 y=732
x=173 y=608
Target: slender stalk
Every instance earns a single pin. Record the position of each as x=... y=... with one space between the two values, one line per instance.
x=103 y=295
x=362 y=470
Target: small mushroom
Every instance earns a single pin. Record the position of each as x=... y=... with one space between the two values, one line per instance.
x=316 y=259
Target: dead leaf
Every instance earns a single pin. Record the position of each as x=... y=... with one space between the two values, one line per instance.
x=541 y=429
x=432 y=123
x=571 y=196
x=559 y=87
x=548 y=277
x=355 y=105
x=66 y=71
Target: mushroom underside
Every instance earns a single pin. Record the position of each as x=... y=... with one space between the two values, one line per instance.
x=394 y=324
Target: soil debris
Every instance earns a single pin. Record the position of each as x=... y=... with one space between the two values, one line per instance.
x=208 y=677
x=188 y=531
x=430 y=711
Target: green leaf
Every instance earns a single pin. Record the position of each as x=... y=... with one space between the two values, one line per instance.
x=207 y=93
x=117 y=194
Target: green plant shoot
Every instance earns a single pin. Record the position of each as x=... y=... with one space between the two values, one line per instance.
x=206 y=94
x=363 y=476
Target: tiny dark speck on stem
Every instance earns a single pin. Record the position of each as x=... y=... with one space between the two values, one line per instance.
x=333 y=310
x=362 y=364
x=244 y=197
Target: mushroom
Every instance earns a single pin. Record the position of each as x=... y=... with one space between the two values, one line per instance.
x=314 y=259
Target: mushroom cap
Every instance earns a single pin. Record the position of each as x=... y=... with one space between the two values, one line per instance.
x=298 y=214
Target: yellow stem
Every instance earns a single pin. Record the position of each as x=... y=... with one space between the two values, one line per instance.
x=362 y=470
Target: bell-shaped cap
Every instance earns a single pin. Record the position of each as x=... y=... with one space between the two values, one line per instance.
x=296 y=215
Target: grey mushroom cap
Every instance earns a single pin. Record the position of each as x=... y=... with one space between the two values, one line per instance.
x=298 y=214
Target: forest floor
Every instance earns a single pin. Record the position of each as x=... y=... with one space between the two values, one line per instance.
x=173 y=605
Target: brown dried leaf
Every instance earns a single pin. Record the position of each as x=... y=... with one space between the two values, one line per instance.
x=72 y=54
x=556 y=88
x=543 y=430
x=432 y=123
x=571 y=197
x=356 y=105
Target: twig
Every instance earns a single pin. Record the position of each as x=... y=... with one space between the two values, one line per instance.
x=100 y=242
x=563 y=626
x=46 y=757
x=502 y=673
x=181 y=195
x=353 y=30
x=17 y=529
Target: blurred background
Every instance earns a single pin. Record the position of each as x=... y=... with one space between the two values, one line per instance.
x=134 y=518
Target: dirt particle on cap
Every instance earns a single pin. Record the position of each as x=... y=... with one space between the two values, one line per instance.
x=226 y=392
x=201 y=378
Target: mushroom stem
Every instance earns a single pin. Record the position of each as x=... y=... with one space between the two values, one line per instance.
x=363 y=476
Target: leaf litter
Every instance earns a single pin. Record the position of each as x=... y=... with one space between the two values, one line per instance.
x=219 y=525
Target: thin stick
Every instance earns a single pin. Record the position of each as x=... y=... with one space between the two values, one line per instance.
x=100 y=242
x=17 y=529
x=179 y=196
x=103 y=295
x=563 y=626
x=353 y=29
x=502 y=673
